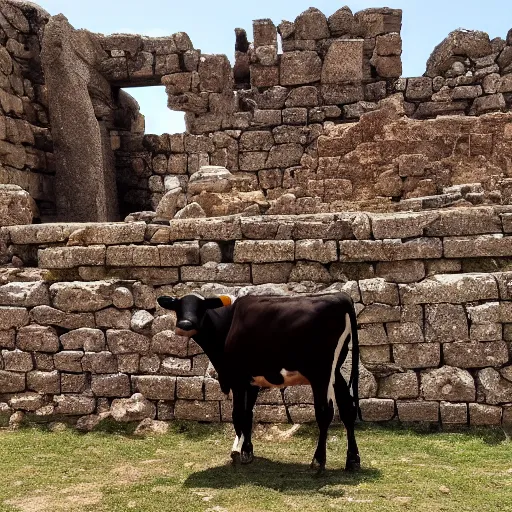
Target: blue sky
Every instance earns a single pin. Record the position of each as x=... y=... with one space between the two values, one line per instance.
x=211 y=24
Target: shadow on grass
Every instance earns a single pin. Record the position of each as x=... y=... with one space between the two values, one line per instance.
x=279 y=476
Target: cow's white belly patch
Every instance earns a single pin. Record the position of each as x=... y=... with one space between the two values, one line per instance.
x=290 y=379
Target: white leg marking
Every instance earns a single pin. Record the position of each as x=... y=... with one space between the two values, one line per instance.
x=237 y=445
x=339 y=346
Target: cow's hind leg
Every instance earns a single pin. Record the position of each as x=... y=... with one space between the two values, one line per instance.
x=348 y=414
x=243 y=403
x=324 y=412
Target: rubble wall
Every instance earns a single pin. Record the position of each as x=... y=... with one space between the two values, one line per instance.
x=432 y=292
x=26 y=147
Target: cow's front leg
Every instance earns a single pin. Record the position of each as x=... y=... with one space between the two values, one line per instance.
x=243 y=404
x=324 y=412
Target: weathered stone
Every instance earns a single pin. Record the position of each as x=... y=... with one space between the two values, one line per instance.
x=167 y=342
x=197 y=410
x=475 y=354
x=375 y=354
x=299 y=68
x=112 y=318
x=99 y=362
x=459 y=288
x=486 y=332
x=464 y=221
x=481 y=414
x=445 y=323
x=17 y=361
x=264 y=251
x=135 y=408
x=449 y=384
x=410 y=271
x=155 y=387
x=377 y=409
x=417 y=355
x=44 y=382
x=343 y=62
x=74 y=405
x=378 y=313
x=190 y=211
x=141 y=321
x=217 y=272
x=112 y=385
x=11 y=382
x=493 y=388
x=78 y=296
x=125 y=342
x=405 y=332
x=122 y=298
x=271 y=273
x=13 y=317
x=69 y=361
x=15 y=204
x=90 y=340
x=418 y=411
x=36 y=338
x=453 y=414
x=399 y=385
x=316 y=250
x=378 y=290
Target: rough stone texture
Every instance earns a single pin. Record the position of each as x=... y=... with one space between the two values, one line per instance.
x=376 y=409
x=15 y=206
x=135 y=408
x=448 y=384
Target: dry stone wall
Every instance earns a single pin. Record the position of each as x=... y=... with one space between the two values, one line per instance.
x=26 y=147
x=83 y=338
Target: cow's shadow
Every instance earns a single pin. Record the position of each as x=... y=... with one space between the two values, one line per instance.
x=280 y=476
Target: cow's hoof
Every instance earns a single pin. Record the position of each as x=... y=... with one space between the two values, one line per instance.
x=353 y=464
x=246 y=457
x=235 y=457
x=318 y=467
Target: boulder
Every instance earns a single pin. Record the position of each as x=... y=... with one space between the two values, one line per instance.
x=448 y=384
x=151 y=427
x=191 y=211
x=135 y=408
x=210 y=178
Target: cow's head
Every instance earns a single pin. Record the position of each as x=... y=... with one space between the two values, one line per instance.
x=190 y=311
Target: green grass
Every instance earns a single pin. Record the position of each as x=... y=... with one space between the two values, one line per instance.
x=189 y=470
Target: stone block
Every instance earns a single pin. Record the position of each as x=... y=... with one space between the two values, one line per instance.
x=73 y=383
x=493 y=388
x=176 y=366
x=380 y=291
x=389 y=44
x=475 y=354
x=15 y=203
x=378 y=313
x=390 y=250
x=464 y=221
x=195 y=410
x=11 y=317
x=458 y=287
x=309 y=271
x=418 y=411
x=267 y=251
x=479 y=246
x=453 y=414
x=24 y=294
x=316 y=250
x=190 y=388
x=271 y=273
x=71 y=257
x=265 y=32
x=36 y=338
x=69 y=361
x=270 y=414
x=44 y=382
x=333 y=94
x=300 y=67
x=417 y=355
x=403 y=224
x=177 y=254
x=375 y=354
x=90 y=340
x=128 y=363
x=155 y=387
x=481 y=414
x=135 y=408
x=448 y=383
x=343 y=62
x=125 y=342
x=486 y=332
x=295 y=115
x=112 y=318
x=487 y=313
x=399 y=386
x=99 y=362
x=377 y=409
x=17 y=361
x=311 y=25
x=387 y=67
x=409 y=271
x=81 y=297
x=302 y=413
x=419 y=89
x=12 y=382
x=217 y=272
x=405 y=332
x=74 y=405
x=445 y=323
x=112 y=385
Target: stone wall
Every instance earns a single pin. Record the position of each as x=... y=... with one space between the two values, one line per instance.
x=432 y=292
x=26 y=147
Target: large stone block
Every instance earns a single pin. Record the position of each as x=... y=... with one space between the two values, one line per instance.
x=453 y=414
x=445 y=323
x=109 y=234
x=69 y=361
x=36 y=338
x=17 y=361
x=113 y=318
x=493 y=388
x=343 y=62
x=81 y=297
x=217 y=272
x=390 y=250
x=316 y=250
x=169 y=343
x=481 y=414
x=74 y=405
x=195 y=410
x=135 y=408
x=12 y=382
x=379 y=291
x=408 y=271
x=449 y=384
x=399 y=386
x=401 y=225
x=378 y=313
x=24 y=294
x=155 y=387
x=475 y=354
x=46 y=315
x=266 y=251
x=464 y=221
x=126 y=342
x=99 y=362
x=298 y=68
x=44 y=382
x=70 y=257
x=418 y=411
x=15 y=206
x=112 y=385
x=479 y=246
x=456 y=288
x=417 y=355
x=377 y=409
x=13 y=317
x=177 y=254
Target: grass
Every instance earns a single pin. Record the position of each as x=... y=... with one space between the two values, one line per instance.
x=189 y=470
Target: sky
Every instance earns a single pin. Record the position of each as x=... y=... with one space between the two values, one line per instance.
x=211 y=23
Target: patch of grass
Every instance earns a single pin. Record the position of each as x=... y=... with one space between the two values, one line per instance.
x=189 y=470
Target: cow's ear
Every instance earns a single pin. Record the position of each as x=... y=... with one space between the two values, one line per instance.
x=212 y=303
x=168 y=302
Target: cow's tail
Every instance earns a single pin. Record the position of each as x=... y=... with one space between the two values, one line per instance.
x=353 y=383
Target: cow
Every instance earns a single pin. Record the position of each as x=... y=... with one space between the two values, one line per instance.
x=273 y=341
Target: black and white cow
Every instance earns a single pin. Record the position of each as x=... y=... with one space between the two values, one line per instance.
x=258 y=342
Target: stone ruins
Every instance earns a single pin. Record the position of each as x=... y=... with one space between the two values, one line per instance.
x=309 y=166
